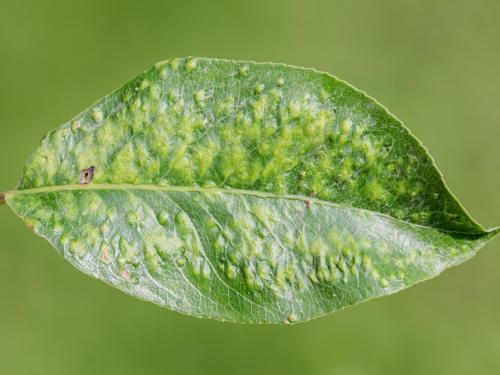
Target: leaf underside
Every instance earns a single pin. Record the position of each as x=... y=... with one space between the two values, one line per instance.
x=244 y=192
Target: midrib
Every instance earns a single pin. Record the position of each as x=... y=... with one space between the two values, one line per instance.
x=205 y=190
x=184 y=189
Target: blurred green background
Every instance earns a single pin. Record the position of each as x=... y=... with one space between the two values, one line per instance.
x=435 y=64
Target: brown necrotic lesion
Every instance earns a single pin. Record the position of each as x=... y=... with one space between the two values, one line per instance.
x=86 y=175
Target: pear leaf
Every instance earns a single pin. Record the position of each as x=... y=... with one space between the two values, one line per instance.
x=244 y=192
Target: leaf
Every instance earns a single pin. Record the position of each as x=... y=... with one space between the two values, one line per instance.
x=244 y=192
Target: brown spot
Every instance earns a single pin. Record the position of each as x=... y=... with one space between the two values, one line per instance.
x=87 y=175
x=314 y=194
x=2 y=198
x=308 y=203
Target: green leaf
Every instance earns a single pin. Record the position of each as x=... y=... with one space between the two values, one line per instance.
x=244 y=192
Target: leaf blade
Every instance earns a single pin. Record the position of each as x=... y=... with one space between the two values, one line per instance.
x=325 y=198
x=155 y=123
x=241 y=257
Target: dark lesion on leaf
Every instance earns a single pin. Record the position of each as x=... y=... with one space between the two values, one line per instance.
x=87 y=175
x=2 y=198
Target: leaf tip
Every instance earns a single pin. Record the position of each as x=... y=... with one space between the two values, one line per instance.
x=494 y=232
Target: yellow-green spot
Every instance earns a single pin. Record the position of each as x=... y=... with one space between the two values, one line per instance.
x=346 y=126
x=152 y=260
x=375 y=191
x=79 y=248
x=367 y=262
x=231 y=271
x=183 y=222
x=97 y=115
x=263 y=271
x=259 y=88
x=291 y=318
x=163 y=218
x=144 y=84
x=264 y=213
x=205 y=270
x=384 y=282
x=199 y=97
x=132 y=218
x=294 y=108
x=127 y=251
x=243 y=70
x=225 y=106
x=319 y=248
x=174 y=64
x=191 y=65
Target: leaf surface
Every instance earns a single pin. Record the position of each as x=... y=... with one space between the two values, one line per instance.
x=244 y=192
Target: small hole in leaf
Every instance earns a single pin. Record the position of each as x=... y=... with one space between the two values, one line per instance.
x=87 y=175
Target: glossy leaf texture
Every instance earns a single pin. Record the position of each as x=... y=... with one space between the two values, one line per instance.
x=244 y=192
